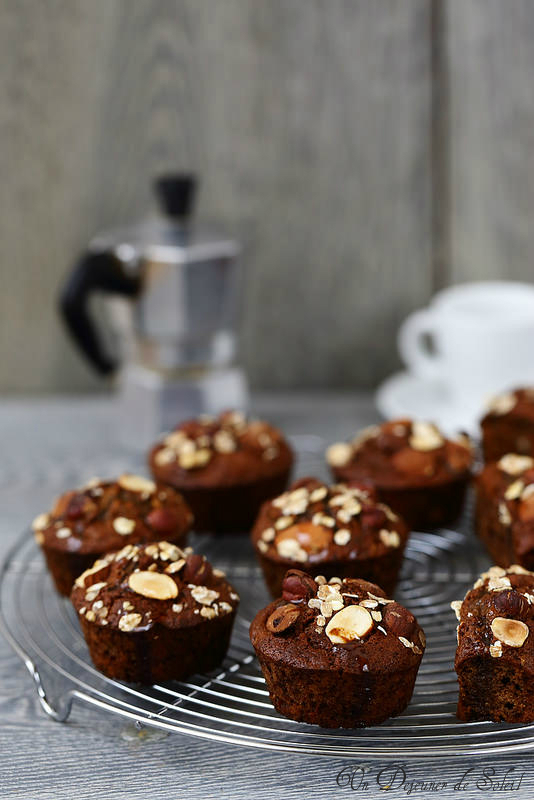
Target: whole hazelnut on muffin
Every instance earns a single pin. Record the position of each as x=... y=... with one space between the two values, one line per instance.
x=103 y=516
x=414 y=468
x=339 y=530
x=225 y=467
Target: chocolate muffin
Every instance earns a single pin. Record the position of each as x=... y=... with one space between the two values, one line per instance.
x=495 y=655
x=225 y=467
x=337 y=654
x=154 y=612
x=104 y=516
x=508 y=426
x=504 y=510
x=336 y=530
x=415 y=470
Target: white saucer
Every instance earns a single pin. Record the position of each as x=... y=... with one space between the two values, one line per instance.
x=404 y=395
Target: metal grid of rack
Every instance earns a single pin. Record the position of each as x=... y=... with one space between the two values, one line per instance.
x=231 y=704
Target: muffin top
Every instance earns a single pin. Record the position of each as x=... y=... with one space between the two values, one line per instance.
x=220 y=451
x=340 y=624
x=515 y=405
x=496 y=617
x=146 y=585
x=105 y=515
x=313 y=523
x=510 y=484
x=401 y=453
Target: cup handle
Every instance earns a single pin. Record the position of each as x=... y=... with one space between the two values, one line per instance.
x=412 y=347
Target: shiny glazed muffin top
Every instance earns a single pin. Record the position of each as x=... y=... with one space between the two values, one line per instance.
x=313 y=522
x=220 y=451
x=158 y=583
x=344 y=624
x=496 y=617
x=105 y=515
x=401 y=453
x=518 y=404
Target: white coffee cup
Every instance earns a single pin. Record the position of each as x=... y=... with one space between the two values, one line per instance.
x=481 y=337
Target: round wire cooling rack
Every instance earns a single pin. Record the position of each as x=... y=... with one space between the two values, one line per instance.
x=232 y=704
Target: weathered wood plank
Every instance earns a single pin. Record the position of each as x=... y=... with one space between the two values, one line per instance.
x=491 y=62
x=309 y=123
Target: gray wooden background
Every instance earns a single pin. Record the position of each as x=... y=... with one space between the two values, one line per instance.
x=368 y=153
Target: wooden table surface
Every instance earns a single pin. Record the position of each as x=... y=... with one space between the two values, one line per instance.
x=48 y=445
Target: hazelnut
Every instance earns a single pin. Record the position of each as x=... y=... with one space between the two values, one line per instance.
x=352 y=622
x=514 y=490
x=512 y=632
x=161 y=520
x=342 y=537
x=509 y=603
x=414 y=462
x=164 y=456
x=359 y=587
x=502 y=403
x=526 y=508
x=398 y=620
x=397 y=427
x=197 y=569
x=40 y=522
x=373 y=517
x=513 y=464
x=97 y=566
x=456 y=606
x=76 y=507
x=388 y=442
x=129 y=621
x=202 y=456
x=282 y=618
x=312 y=538
x=425 y=436
x=64 y=501
x=298 y=586
x=123 y=525
x=389 y=538
x=135 y=483
x=339 y=454
x=153 y=585
x=187 y=460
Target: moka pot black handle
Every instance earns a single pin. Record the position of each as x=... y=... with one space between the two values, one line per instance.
x=93 y=272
